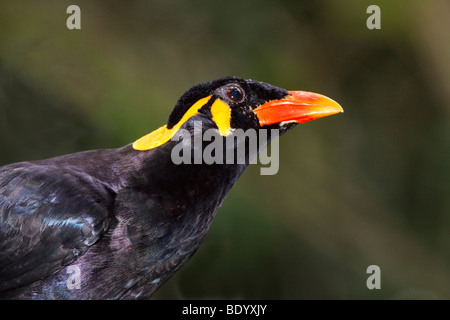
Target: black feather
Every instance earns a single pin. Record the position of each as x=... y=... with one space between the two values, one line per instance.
x=126 y=219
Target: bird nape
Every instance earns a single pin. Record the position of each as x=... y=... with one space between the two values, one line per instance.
x=117 y=223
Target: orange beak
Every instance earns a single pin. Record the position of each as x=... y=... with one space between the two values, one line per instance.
x=298 y=106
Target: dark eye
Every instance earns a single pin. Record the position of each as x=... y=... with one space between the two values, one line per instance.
x=234 y=93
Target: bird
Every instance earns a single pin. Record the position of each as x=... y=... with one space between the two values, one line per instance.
x=117 y=223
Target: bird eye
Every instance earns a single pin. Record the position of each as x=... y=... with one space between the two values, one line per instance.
x=234 y=93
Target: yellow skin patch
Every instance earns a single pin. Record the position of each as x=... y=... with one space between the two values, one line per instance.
x=221 y=115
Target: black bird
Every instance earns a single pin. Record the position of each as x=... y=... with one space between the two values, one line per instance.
x=117 y=223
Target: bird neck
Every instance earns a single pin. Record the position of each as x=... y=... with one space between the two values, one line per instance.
x=182 y=188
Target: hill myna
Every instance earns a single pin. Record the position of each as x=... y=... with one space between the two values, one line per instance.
x=117 y=223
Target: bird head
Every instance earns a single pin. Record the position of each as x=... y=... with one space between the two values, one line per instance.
x=232 y=103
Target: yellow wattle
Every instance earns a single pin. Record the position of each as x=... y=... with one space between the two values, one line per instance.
x=162 y=135
x=221 y=115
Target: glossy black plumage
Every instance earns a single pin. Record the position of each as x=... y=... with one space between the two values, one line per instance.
x=128 y=219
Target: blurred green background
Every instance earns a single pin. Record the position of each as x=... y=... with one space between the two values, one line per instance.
x=370 y=186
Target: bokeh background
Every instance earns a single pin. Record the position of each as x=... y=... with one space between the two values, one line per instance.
x=370 y=186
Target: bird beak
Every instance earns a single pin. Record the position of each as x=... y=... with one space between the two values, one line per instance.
x=298 y=106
